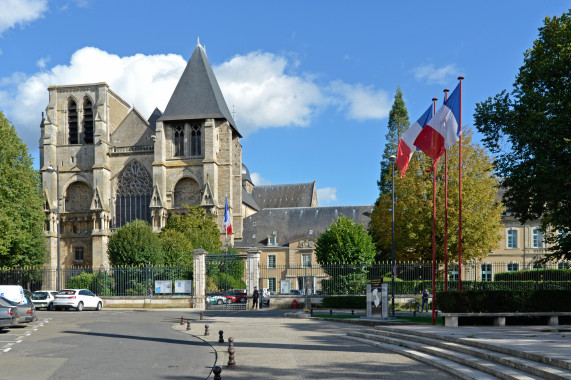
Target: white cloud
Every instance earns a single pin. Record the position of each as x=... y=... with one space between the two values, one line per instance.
x=326 y=195
x=20 y=12
x=256 y=84
x=361 y=102
x=263 y=95
x=258 y=180
x=433 y=75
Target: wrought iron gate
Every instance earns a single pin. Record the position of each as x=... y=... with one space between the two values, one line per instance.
x=225 y=281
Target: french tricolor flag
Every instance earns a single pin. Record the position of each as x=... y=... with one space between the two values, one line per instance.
x=406 y=142
x=227 y=224
x=443 y=129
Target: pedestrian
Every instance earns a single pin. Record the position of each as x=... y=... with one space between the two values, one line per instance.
x=255 y=297
x=424 y=300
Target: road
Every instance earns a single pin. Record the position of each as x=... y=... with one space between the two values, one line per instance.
x=111 y=344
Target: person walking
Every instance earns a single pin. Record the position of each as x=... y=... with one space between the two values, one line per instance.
x=255 y=298
x=425 y=295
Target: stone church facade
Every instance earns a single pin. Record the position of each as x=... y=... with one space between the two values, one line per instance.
x=109 y=165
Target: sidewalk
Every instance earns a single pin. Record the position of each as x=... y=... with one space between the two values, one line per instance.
x=271 y=346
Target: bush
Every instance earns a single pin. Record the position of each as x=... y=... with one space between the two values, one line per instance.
x=345 y=302
x=99 y=283
x=503 y=301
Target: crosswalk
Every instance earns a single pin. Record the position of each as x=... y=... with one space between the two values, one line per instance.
x=17 y=334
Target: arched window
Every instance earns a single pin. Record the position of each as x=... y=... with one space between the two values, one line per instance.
x=78 y=197
x=87 y=121
x=179 y=140
x=73 y=136
x=195 y=143
x=134 y=191
x=186 y=192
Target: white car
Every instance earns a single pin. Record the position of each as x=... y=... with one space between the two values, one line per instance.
x=44 y=299
x=77 y=299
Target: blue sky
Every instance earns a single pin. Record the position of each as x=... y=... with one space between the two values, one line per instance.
x=311 y=82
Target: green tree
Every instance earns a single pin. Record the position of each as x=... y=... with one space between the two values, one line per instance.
x=226 y=272
x=530 y=134
x=22 y=219
x=345 y=242
x=135 y=244
x=177 y=249
x=398 y=123
x=481 y=213
x=198 y=227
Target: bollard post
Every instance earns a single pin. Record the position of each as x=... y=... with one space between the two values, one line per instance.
x=230 y=342
x=330 y=312
x=201 y=316
x=217 y=370
x=182 y=320
x=231 y=361
x=206 y=332
x=188 y=325
x=311 y=312
x=220 y=336
x=352 y=312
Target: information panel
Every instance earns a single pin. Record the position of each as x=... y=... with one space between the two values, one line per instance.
x=163 y=287
x=183 y=286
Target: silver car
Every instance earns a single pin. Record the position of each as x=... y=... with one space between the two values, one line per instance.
x=9 y=316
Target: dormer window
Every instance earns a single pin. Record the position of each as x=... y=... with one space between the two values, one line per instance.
x=272 y=240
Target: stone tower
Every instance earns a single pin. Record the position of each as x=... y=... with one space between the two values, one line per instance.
x=114 y=166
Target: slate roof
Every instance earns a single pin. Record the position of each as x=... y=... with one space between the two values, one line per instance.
x=249 y=200
x=291 y=224
x=154 y=117
x=197 y=94
x=278 y=196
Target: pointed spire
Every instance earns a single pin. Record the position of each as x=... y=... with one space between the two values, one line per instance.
x=197 y=94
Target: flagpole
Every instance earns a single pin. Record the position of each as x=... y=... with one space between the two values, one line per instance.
x=446 y=208
x=460 y=193
x=434 y=231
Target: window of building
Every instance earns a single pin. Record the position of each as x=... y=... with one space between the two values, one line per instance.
x=537 y=265
x=73 y=133
x=178 y=140
x=78 y=253
x=133 y=197
x=453 y=274
x=87 y=121
x=486 y=272
x=512 y=238
x=195 y=143
x=513 y=267
x=563 y=265
x=537 y=238
x=306 y=260
x=272 y=284
x=271 y=261
x=272 y=240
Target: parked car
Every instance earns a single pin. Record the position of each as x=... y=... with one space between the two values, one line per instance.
x=77 y=299
x=14 y=293
x=9 y=316
x=44 y=299
x=265 y=296
x=239 y=295
x=230 y=298
x=26 y=310
x=297 y=292
x=215 y=298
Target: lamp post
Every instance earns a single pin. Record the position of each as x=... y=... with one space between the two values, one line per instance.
x=51 y=169
x=392 y=160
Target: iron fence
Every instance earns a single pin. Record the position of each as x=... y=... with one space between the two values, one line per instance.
x=329 y=279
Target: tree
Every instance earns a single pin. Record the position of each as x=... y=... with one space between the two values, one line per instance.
x=398 y=124
x=530 y=134
x=22 y=219
x=481 y=213
x=135 y=244
x=345 y=242
x=198 y=227
x=177 y=249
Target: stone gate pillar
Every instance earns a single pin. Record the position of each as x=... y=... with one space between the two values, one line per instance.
x=199 y=278
x=252 y=270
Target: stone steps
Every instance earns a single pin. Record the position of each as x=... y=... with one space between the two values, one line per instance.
x=464 y=358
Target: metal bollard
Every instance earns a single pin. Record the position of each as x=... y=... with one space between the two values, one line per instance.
x=311 y=310
x=352 y=312
x=182 y=320
x=330 y=312
x=206 y=332
x=220 y=336
x=230 y=342
x=201 y=316
x=231 y=361
x=188 y=325
x=217 y=370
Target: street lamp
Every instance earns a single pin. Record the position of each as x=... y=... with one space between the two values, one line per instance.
x=51 y=169
x=392 y=160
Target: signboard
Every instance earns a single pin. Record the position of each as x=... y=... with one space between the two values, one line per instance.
x=183 y=286
x=163 y=287
x=284 y=286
